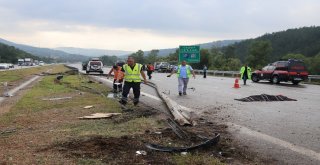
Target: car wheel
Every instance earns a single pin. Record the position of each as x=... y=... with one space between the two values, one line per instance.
x=295 y=82
x=87 y=72
x=275 y=80
x=255 y=78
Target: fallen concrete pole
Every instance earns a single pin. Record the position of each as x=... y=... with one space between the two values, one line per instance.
x=180 y=113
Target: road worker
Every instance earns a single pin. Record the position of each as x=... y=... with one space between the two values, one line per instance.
x=132 y=72
x=117 y=78
x=245 y=72
x=184 y=72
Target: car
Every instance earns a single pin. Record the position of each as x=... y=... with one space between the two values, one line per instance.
x=291 y=70
x=94 y=65
x=11 y=65
x=84 y=65
x=4 y=66
x=41 y=63
x=163 y=67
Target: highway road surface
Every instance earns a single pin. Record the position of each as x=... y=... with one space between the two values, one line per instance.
x=287 y=132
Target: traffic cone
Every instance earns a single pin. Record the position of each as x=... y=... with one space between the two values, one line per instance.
x=236 y=83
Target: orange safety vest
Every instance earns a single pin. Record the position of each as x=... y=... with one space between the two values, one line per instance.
x=118 y=74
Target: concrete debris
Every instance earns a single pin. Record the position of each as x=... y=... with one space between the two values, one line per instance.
x=99 y=116
x=88 y=107
x=144 y=153
x=56 y=98
x=184 y=153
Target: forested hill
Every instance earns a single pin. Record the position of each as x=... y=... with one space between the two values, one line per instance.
x=9 y=54
x=305 y=41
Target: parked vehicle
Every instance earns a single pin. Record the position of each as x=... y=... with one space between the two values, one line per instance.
x=20 y=62
x=291 y=70
x=28 y=61
x=84 y=65
x=94 y=65
x=41 y=63
x=4 y=66
x=163 y=67
x=11 y=65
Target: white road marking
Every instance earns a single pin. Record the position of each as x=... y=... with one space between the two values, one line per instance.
x=15 y=90
x=301 y=150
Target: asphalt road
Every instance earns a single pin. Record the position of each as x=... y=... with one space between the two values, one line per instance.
x=286 y=132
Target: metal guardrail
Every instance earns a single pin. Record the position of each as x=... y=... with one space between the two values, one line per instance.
x=313 y=77
x=219 y=73
x=237 y=74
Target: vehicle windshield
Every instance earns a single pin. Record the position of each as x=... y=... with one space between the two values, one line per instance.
x=95 y=63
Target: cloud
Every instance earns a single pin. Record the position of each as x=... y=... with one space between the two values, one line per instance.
x=194 y=21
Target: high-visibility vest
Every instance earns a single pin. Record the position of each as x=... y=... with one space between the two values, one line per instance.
x=132 y=75
x=118 y=73
x=188 y=71
x=248 y=72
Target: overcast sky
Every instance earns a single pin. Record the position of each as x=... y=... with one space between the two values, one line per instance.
x=147 y=24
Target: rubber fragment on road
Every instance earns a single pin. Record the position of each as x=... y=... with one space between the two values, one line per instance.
x=207 y=143
x=265 y=97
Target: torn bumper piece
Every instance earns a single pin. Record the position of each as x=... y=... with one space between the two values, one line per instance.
x=207 y=143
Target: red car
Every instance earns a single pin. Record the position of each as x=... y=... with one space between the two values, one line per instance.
x=291 y=70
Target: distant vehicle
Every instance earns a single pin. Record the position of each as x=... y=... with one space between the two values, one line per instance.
x=291 y=70
x=36 y=62
x=11 y=65
x=94 y=65
x=163 y=67
x=41 y=63
x=84 y=65
x=28 y=61
x=4 y=66
x=20 y=62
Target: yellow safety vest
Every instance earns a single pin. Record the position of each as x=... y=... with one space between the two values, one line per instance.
x=188 y=71
x=132 y=75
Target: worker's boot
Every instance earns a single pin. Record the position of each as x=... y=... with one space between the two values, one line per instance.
x=123 y=102
x=180 y=94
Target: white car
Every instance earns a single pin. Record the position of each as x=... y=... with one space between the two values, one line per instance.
x=4 y=66
x=41 y=63
x=94 y=66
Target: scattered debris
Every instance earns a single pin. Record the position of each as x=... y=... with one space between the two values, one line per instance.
x=192 y=88
x=88 y=107
x=99 y=116
x=207 y=143
x=8 y=131
x=184 y=153
x=57 y=79
x=56 y=98
x=141 y=153
x=265 y=97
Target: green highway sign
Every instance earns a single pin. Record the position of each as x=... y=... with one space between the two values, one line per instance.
x=190 y=54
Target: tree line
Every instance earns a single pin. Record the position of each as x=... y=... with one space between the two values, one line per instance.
x=301 y=43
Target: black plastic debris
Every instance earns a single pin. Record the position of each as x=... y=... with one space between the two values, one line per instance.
x=265 y=97
x=207 y=143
